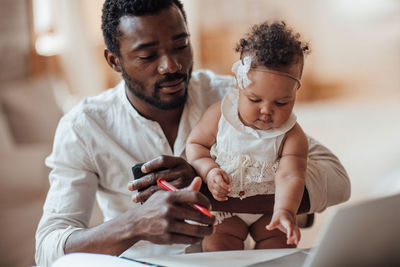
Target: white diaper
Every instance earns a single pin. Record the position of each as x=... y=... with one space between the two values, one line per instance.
x=248 y=218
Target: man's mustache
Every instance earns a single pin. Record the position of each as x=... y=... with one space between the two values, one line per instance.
x=170 y=78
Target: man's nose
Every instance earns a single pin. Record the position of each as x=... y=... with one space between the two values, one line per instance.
x=168 y=64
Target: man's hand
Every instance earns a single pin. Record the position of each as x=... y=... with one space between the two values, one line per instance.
x=218 y=183
x=178 y=172
x=285 y=221
x=161 y=219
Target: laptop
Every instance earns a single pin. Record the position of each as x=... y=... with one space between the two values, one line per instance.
x=363 y=234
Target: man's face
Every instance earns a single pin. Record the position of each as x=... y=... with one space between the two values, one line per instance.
x=156 y=58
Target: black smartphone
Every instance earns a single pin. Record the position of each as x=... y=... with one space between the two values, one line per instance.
x=137 y=173
x=136 y=170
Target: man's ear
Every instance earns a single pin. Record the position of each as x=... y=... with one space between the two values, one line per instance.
x=112 y=60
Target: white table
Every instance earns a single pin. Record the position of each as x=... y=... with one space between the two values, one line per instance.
x=220 y=259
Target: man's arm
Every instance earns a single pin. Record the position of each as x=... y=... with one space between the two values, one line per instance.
x=326 y=181
x=66 y=214
x=70 y=200
x=159 y=220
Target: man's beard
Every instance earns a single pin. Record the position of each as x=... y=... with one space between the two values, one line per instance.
x=137 y=88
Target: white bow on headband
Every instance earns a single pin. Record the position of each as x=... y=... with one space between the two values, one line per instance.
x=241 y=68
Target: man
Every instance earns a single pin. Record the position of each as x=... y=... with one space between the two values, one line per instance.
x=150 y=113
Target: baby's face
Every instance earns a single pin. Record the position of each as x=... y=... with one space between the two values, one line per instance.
x=268 y=101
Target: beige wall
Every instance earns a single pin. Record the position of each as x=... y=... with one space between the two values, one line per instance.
x=355 y=44
x=14 y=39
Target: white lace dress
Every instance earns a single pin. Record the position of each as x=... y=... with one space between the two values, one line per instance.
x=247 y=155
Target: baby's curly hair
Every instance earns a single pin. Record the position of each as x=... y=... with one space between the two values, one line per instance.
x=273 y=45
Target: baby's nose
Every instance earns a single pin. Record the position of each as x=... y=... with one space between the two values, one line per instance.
x=267 y=109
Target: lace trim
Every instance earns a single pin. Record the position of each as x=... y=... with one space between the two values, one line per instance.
x=221 y=215
x=249 y=177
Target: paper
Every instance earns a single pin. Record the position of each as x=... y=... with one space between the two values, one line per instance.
x=220 y=259
x=93 y=260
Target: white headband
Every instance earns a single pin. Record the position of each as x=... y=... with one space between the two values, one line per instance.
x=242 y=67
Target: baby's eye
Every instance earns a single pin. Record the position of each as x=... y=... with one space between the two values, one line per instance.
x=254 y=100
x=281 y=103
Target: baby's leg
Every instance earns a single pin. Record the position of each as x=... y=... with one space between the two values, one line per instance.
x=267 y=239
x=228 y=235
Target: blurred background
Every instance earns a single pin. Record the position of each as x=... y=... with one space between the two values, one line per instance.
x=52 y=56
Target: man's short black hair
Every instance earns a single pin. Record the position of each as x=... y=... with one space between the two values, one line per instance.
x=113 y=10
x=273 y=45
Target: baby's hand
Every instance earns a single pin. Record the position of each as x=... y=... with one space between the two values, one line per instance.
x=218 y=183
x=285 y=222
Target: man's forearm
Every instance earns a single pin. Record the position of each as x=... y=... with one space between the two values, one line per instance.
x=255 y=204
x=160 y=220
x=108 y=238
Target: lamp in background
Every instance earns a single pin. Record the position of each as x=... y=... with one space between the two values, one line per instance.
x=48 y=41
x=61 y=32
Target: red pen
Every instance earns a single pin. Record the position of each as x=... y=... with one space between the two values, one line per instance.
x=169 y=187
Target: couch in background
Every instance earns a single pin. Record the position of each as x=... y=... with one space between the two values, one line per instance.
x=28 y=118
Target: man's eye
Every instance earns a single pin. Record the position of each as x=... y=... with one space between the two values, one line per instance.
x=181 y=47
x=182 y=44
x=149 y=57
x=281 y=103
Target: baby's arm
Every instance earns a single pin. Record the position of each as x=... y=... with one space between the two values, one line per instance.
x=198 y=145
x=289 y=184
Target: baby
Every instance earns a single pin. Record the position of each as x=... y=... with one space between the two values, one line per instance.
x=250 y=143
